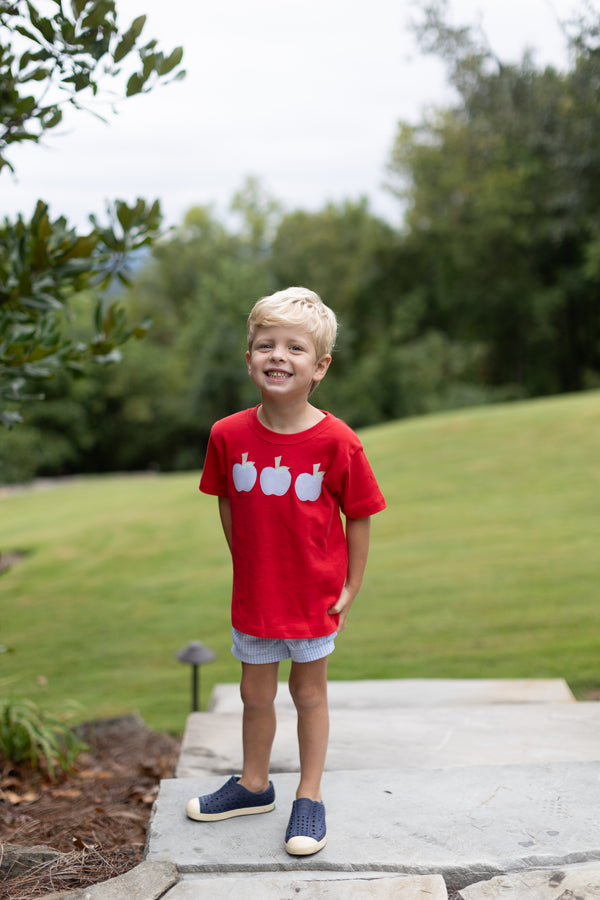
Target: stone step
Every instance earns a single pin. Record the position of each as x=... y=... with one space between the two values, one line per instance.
x=417 y=692
x=466 y=823
x=310 y=886
x=580 y=882
x=431 y=737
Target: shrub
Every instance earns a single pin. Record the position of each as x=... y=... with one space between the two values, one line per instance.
x=38 y=738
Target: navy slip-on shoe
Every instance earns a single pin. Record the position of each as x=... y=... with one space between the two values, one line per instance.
x=306 y=832
x=230 y=800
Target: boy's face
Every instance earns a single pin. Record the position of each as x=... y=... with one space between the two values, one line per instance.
x=283 y=362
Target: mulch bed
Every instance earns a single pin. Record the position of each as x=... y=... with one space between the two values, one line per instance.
x=96 y=817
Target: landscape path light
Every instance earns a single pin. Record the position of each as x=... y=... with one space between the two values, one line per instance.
x=195 y=655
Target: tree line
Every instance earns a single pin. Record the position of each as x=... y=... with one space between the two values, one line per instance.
x=489 y=291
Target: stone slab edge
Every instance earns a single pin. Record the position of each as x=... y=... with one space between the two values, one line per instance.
x=543 y=884
x=312 y=886
x=414 y=692
x=150 y=880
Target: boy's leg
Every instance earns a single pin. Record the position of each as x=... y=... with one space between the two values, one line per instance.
x=308 y=687
x=253 y=792
x=258 y=689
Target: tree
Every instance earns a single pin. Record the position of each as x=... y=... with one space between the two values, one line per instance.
x=502 y=191
x=386 y=364
x=50 y=62
x=342 y=252
x=156 y=408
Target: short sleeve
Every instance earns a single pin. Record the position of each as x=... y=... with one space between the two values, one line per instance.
x=361 y=495
x=214 y=475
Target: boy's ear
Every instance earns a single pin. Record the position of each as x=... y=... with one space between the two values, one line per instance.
x=248 y=360
x=321 y=367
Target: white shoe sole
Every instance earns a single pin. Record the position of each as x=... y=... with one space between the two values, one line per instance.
x=193 y=811
x=299 y=845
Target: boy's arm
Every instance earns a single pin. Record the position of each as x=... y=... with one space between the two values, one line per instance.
x=357 y=540
x=225 y=514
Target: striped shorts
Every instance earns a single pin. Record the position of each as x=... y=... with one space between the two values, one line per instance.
x=257 y=650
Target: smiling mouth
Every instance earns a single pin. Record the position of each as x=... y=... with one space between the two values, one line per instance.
x=273 y=373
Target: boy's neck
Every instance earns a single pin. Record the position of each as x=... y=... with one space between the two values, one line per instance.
x=288 y=419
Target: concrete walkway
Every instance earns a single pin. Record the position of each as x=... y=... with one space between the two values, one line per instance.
x=430 y=787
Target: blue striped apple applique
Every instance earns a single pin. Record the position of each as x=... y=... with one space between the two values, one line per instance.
x=244 y=474
x=309 y=487
x=275 y=479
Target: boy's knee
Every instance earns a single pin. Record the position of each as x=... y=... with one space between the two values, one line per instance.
x=307 y=696
x=257 y=696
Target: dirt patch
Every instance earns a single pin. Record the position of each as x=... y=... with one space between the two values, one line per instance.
x=10 y=559
x=96 y=817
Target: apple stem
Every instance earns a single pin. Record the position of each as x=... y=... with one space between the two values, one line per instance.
x=277 y=461
x=244 y=458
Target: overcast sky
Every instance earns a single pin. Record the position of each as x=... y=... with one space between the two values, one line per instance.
x=306 y=96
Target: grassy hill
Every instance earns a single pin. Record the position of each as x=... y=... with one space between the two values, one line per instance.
x=485 y=564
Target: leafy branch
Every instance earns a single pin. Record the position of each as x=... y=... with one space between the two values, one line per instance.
x=65 y=58
x=48 y=62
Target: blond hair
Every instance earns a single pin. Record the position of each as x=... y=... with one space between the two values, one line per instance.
x=296 y=306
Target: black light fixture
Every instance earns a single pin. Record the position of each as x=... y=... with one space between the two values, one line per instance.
x=195 y=654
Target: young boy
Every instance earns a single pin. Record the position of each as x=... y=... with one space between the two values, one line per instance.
x=282 y=472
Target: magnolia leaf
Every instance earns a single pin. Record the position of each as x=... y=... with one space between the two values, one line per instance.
x=25 y=105
x=129 y=38
x=137 y=26
x=83 y=247
x=125 y=215
x=25 y=59
x=171 y=61
x=124 y=47
x=134 y=85
x=45 y=27
x=78 y=6
x=20 y=136
x=39 y=74
x=151 y=63
x=51 y=117
x=97 y=17
x=28 y=34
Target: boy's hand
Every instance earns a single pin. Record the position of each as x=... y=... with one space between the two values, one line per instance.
x=342 y=607
x=357 y=539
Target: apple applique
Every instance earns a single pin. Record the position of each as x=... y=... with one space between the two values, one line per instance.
x=308 y=487
x=275 y=479
x=244 y=474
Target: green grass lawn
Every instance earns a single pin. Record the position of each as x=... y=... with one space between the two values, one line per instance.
x=484 y=565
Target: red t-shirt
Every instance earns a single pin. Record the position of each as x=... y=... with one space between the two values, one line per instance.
x=288 y=543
